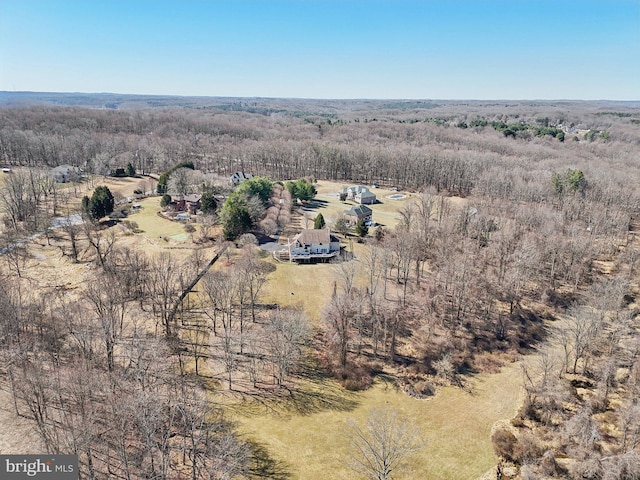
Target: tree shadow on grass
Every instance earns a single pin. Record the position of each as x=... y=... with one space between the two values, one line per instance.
x=265 y=466
x=311 y=391
x=315 y=391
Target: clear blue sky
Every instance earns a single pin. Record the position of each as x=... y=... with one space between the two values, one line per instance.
x=455 y=49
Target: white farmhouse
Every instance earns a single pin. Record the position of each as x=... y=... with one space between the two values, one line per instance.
x=311 y=245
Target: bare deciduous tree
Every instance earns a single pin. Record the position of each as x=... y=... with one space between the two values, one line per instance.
x=382 y=446
x=285 y=334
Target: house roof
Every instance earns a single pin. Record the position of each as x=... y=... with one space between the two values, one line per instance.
x=367 y=194
x=192 y=198
x=359 y=211
x=65 y=168
x=311 y=236
x=242 y=175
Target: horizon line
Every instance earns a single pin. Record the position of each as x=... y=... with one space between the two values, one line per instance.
x=355 y=99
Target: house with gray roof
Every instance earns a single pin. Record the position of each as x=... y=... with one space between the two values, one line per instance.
x=65 y=173
x=359 y=212
x=359 y=193
x=238 y=177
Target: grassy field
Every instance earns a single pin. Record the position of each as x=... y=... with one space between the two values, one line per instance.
x=151 y=225
x=307 y=436
x=308 y=286
x=385 y=212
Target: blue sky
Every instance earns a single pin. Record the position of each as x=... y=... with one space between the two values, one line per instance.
x=456 y=49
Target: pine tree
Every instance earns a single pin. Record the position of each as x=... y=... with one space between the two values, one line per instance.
x=319 y=223
x=361 y=228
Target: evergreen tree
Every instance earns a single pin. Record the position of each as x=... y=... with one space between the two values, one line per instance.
x=319 y=223
x=165 y=200
x=101 y=203
x=260 y=187
x=129 y=171
x=86 y=206
x=208 y=203
x=301 y=189
x=236 y=222
x=235 y=216
x=361 y=228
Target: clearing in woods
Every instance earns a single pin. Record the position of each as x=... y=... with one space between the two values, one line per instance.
x=306 y=431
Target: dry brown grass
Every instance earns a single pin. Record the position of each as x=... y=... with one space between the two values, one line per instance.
x=385 y=212
x=314 y=443
x=17 y=436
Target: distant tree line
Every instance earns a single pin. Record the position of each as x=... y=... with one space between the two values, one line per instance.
x=386 y=152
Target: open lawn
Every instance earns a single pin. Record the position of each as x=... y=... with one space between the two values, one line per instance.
x=385 y=211
x=120 y=188
x=154 y=227
x=307 y=436
x=309 y=286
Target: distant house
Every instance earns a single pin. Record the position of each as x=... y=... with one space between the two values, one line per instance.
x=311 y=245
x=361 y=212
x=189 y=203
x=359 y=193
x=239 y=177
x=65 y=173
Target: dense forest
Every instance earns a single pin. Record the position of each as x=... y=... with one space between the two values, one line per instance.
x=521 y=238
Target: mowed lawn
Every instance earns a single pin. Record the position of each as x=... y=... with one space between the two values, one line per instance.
x=308 y=286
x=385 y=211
x=314 y=442
x=154 y=227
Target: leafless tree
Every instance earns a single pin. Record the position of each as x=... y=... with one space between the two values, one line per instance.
x=109 y=303
x=222 y=290
x=180 y=183
x=73 y=233
x=577 y=337
x=338 y=320
x=102 y=242
x=256 y=272
x=383 y=445
x=629 y=425
x=21 y=198
x=163 y=284
x=285 y=333
x=15 y=253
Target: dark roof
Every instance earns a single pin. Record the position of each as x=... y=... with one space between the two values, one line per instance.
x=242 y=175
x=192 y=198
x=359 y=211
x=367 y=193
